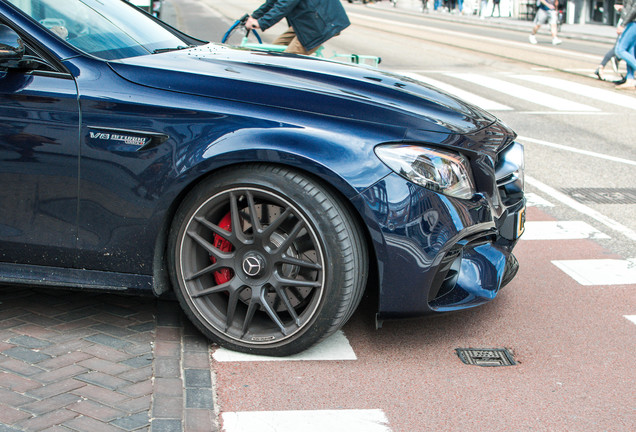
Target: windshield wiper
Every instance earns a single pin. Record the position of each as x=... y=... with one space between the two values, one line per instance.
x=180 y=47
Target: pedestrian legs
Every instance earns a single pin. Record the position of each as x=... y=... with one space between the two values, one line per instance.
x=625 y=49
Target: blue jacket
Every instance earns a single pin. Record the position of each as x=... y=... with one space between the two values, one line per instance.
x=314 y=21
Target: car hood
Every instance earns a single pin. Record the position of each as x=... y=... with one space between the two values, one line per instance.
x=306 y=84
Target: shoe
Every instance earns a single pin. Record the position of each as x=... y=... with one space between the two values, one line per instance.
x=556 y=41
x=533 y=39
x=599 y=74
x=614 y=62
x=629 y=84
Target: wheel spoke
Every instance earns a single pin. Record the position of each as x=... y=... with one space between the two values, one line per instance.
x=272 y=314
x=292 y=236
x=298 y=283
x=251 y=309
x=273 y=226
x=227 y=235
x=232 y=302
x=256 y=223
x=282 y=295
x=237 y=228
x=209 y=269
x=210 y=249
x=213 y=290
x=286 y=259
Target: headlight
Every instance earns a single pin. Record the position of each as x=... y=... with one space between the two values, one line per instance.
x=441 y=171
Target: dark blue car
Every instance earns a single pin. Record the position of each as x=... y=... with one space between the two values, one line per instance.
x=269 y=192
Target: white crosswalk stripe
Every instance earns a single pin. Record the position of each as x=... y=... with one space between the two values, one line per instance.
x=561 y=230
x=343 y=420
x=600 y=271
x=607 y=96
x=521 y=92
x=334 y=348
x=472 y=98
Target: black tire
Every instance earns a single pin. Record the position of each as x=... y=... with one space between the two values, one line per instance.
x=274 y=284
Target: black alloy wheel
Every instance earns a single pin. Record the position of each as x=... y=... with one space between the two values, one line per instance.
x=265 y=260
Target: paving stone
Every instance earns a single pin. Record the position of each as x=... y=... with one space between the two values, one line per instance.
x=163 y=425
x=10 y=415
x=100 y=394
x=168 y=333
x=68 y=385
x=105 y=366
x=167 y=349
x=65 y=360
x=29 y=342
x=14 y=399
x=139 y=361
x=19 y=367
x=116 y=331
x=44 y=406
x=87 y=424
x=47 y=420
x=143 y=327
x=199 y=420
x=140 y=389
x=138 y=404
x=199 y=398
x=137 y=375
x=58 y=374
x=167 y=368
x=197 y=378
x=96 y=411
x=167 y=408
x=17 y=383
x=5 y=428
x=196 y=360
x=26 y=355
x=108 y=341
x=171 y=387
x=132 y=422
x=106 y=353
x=102 y=380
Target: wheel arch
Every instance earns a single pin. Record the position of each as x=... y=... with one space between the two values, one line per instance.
x=341 y=189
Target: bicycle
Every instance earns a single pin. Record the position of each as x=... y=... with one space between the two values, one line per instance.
x=239 y=29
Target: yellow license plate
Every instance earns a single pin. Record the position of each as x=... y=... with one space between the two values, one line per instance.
x=521 y=222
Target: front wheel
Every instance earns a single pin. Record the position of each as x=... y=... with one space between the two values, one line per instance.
x=265 y=260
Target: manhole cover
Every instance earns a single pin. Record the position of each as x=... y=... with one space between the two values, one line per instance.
x=486 y=356
x=603 y=195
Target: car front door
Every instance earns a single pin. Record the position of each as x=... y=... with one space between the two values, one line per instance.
x=39 y=144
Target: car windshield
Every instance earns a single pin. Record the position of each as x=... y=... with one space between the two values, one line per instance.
x=109 y=29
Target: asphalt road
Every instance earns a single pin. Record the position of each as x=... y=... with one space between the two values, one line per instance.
x=569 y=316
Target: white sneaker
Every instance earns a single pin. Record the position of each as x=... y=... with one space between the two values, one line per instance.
x=556 y=41
x=533 y=39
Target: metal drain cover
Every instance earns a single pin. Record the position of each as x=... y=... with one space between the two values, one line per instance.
x=486 y=356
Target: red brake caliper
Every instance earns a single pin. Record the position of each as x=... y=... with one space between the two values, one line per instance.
x=225 y=274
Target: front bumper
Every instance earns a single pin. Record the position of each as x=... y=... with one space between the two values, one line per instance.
x=436 y=253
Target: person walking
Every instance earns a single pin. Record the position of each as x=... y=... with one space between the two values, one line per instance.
x=496 y=4
x=626 y=45
x=546 y=14
x=311 y=23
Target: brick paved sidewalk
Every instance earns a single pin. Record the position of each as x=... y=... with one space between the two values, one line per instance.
x=73 y=361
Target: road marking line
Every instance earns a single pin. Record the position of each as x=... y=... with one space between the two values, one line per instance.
x=525 y=93
x=472 y=98
x=364 y=21
x=561 y=230
x=600 y=271
x=632 y=318
x=575 y=150
x=570 y=202
x=354 y=420
x=607 y=96
x=335 y=347
x=535 y=200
